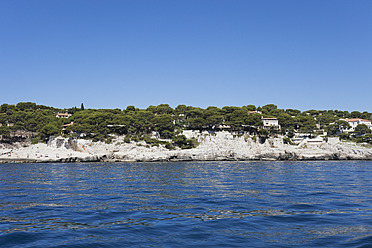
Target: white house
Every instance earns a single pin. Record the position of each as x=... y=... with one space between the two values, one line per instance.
x=270 y=123
x=355 y=122
x=63 y=115
x=221 y=127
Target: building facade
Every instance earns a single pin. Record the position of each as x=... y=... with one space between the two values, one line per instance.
x=355 y=122
x=270 y=123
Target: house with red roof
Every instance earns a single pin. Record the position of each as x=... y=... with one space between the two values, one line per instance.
x=63 y=115
x=355 y=122
x=64 y=131
x=255 y=112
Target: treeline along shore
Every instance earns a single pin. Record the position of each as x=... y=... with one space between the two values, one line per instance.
x=36 y=133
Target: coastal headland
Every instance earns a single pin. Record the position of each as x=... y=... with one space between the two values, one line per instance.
x=36 y=133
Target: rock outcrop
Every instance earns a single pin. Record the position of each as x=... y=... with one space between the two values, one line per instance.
x=221 y=146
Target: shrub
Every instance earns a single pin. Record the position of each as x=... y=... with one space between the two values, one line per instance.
x=109 y=140
x=184 y=143
x=344 y=136
x=287 y=141
x=35 y=140
x=169 y=146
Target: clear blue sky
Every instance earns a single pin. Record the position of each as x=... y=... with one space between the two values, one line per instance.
x=110 y=54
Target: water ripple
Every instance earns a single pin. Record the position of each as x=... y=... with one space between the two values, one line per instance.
x=210 y=204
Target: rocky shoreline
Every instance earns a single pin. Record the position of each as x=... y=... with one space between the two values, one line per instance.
x=221 y=146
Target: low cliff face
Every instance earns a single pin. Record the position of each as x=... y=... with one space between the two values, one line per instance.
x=219 y=146
x=224 y=146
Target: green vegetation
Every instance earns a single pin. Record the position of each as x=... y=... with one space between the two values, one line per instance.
x=163 y=125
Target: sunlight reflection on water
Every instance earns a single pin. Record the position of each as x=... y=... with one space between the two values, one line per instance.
x=313 y=204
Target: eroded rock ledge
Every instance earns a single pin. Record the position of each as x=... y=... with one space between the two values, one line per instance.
x=217 y=147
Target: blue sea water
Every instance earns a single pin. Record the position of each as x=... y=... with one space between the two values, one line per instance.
x=188 y=204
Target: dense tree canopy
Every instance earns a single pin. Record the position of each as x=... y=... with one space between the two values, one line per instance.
x=337 y=127
x=99 y=124
x=362 y=129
